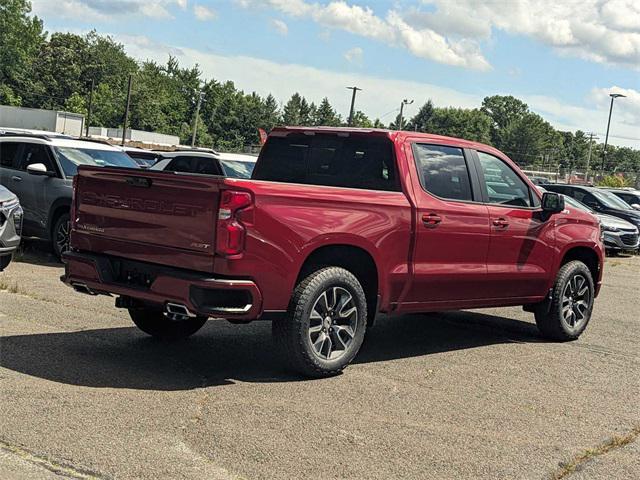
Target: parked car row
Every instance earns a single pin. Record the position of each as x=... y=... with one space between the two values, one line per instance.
x=39 y=168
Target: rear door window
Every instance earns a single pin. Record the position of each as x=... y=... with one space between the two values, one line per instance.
x=443 y=171
x=353 y=161
x=9 y=154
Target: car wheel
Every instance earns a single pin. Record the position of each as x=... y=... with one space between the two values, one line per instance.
x=60 y=234
x=5 y=260
x=325 y=323
x=569 y=311
x=154 y=322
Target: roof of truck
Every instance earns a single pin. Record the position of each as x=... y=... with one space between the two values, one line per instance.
x=394 y=135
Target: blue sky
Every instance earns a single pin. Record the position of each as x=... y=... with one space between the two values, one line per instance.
x=563 y=60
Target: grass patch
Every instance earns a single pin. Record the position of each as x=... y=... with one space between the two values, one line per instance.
x=617 y=441
x=11 y=287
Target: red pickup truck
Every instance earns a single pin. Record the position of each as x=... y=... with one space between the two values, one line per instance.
x=335 y=226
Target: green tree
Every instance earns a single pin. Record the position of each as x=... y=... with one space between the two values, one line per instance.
x=291 y=114
x=326 y=115
x=462 y=123
x=420 y=122
x=361 y=120
x=503 y=110
x=20 y=38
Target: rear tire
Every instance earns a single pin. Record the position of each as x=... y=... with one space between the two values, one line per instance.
x=569 y=312
x=155 y=323
x=325 y=324
x=60 y=235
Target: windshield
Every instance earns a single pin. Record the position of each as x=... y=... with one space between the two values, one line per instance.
x=237 y=169
x=70 y=158
x=576 y=204
x=611 y=200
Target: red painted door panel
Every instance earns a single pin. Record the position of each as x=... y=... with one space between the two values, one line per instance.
x=450 y=254
x=520 y=253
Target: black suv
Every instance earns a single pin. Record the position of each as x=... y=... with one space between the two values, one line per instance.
x=602 y=201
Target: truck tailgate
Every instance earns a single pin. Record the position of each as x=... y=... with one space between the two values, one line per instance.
x=161 y=217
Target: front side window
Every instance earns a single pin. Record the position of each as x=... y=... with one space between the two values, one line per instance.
x=36 y=153
x=504 y=186
x=443 y=171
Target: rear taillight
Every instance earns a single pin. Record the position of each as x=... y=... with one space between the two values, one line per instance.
x=231 y=233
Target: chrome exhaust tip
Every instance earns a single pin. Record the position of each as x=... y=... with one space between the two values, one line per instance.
x=82 y=288
x=177 y=311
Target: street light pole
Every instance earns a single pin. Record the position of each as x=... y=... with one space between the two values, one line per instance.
x=591 y=138
x=195 y=120
x=353 y=103
x=404 y=102
x=126 y=111
x=606 y=138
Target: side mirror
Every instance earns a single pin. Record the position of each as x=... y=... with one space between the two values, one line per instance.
x=635 y=206
x=39 y=169
x=552 y=202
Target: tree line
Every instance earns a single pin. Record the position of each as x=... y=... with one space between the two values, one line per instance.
x=62 y=71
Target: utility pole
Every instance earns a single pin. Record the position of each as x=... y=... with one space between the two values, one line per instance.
x=90 y=108
x=195 y=120
x=606 y=138
x=592 y=136
x=353 y=102
x=126 y=112
x=404 y=102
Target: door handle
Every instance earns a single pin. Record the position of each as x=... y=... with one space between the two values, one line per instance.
x=431 y=220
x=16 y=178
x=501 y=222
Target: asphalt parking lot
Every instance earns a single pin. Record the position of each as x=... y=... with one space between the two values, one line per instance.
x=477 y=394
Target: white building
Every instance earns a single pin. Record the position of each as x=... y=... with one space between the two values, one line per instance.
x=37 y=119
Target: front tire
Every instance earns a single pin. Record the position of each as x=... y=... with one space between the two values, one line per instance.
x=155 y=323
x=5 y=260
x=569 y=311
x=60 y=235
x=325 y=323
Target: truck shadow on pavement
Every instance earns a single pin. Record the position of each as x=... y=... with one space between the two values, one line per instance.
x=221 y=353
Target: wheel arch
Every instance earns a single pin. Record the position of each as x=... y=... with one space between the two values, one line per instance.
x=58 y=208
x=354 y=258
x=587 y=255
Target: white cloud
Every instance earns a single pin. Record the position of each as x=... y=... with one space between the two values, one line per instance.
x=605 y=32
x=103 y=10
x=279 y=26
x=204 y=13
x=452 y=32
x=354 y=55
x=381 y=97
x=626 y=109
x=393 y=30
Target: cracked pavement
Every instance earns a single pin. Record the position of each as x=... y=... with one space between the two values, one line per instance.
x=454 y=395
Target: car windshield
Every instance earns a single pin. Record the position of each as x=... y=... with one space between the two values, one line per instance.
x=71 y=158
x=237 y=168
x=611 y=200
x=576 y=204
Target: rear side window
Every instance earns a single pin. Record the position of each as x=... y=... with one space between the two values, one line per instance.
x=443 y=171
x=354 y=161
x=9 y=154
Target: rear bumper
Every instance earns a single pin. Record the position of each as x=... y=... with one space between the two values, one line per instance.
x=199 y=292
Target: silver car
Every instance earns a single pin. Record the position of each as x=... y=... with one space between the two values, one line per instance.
x=10 y=226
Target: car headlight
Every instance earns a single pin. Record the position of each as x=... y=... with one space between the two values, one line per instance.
x=608 y=228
